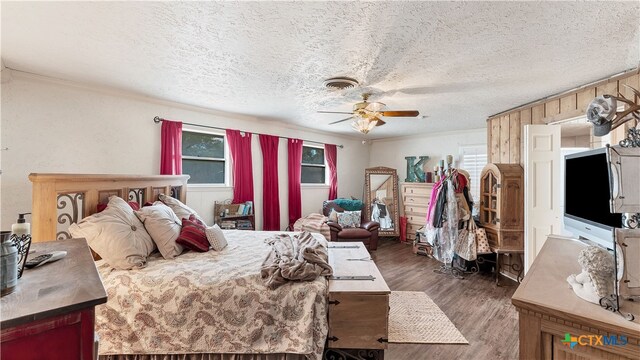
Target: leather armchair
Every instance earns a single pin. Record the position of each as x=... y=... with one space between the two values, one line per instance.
x=367 y=233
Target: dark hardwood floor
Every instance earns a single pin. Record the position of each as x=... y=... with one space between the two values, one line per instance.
x=481 y=311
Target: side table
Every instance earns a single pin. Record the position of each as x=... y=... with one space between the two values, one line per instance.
x=514 y=266
x=51 y=314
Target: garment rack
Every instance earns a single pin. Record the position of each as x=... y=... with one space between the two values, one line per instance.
x=158 y=120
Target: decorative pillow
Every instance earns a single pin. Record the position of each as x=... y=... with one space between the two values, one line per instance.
x=116 y=235
x=193 y=235
x=349 y=219
x=333 y=216
x=216 y=237
x=101 y=206
x=181 y=210
x=197 y=220
x=163 y=226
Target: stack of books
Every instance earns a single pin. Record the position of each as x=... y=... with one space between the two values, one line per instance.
x=227 y=224
x=244 y=225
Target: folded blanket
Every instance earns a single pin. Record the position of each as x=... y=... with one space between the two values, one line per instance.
x=298 y=258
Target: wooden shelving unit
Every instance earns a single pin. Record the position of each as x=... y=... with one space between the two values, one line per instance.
x=502 y=205
x=502 y=215
x=220 y=208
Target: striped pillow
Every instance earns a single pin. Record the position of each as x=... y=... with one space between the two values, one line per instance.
x=193 y=236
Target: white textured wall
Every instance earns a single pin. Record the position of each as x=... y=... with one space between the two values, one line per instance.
x=55 y=126
x=392 y=152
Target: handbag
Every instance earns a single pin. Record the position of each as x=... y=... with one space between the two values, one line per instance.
x=482 y=242
x=466 y=244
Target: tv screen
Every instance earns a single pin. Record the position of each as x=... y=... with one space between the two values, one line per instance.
x=587 y=190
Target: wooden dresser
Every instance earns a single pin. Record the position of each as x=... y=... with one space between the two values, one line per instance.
x=51 y=313
x=549 y=310
x=358 y=309
x=415 y=201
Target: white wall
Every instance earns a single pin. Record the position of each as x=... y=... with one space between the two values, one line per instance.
x=575 y=141
x=392 y=152
x=58 y=126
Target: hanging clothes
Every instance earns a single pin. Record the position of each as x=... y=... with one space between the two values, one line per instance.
x=450 y=202
x=434 y=196
x=438 y=213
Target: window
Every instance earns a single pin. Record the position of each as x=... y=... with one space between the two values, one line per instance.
x=473 y=159
x=313 y=166
x=203 y=157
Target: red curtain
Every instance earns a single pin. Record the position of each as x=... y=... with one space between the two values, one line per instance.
x=242 y=170
x=295 y=172
x=171 y=148
x=331 y=155
x=270 y=197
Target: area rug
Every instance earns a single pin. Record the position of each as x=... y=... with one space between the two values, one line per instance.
x=415 y=319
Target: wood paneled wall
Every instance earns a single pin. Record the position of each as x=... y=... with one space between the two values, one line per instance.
x=505 y=131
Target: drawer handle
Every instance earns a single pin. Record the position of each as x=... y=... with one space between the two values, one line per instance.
x=334 y=302
x=333 y=338
x=383 y=340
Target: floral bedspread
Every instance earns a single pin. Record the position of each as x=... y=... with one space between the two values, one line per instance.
x=213 y=302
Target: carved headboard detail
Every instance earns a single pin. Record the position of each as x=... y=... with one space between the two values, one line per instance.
x=60 y=200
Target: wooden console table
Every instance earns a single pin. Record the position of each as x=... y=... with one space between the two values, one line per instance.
x=549 y=310
x=51 y=313
x=358 y=309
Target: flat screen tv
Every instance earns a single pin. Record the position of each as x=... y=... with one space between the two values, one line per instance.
x=587 y=195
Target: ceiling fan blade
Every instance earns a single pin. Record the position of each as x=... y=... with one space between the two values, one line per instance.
x=339 y=121
x=401 y=113
x=335 y=112
x=381 y=122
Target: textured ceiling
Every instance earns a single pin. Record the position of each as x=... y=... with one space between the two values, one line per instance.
x=456 y=62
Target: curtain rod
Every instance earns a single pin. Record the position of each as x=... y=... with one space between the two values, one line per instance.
x=158 y=120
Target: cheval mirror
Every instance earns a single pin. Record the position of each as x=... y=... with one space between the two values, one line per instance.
x=381 y=199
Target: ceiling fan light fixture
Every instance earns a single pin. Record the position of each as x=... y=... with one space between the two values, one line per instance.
x=364 y=125
x=375 y=106
x=340 y=83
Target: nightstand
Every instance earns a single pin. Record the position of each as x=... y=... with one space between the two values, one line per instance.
x=51 y=315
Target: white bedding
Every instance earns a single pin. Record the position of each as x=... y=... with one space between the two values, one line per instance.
x=213 y=302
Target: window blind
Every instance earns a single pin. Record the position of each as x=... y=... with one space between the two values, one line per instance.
x=473 y=159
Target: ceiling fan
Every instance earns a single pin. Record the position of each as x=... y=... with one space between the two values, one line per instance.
x=367 y=115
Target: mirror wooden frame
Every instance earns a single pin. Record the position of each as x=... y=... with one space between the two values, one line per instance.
x=381 y=170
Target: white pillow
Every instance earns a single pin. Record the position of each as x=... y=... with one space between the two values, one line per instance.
x=216 y=237
x=116 y=235
x=333 y=215
x=181 y=210
x=164 y=227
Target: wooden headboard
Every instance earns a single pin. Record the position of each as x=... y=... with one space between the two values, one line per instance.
x=60 y=200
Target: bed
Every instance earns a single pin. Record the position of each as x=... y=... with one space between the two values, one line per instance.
x=207 y=306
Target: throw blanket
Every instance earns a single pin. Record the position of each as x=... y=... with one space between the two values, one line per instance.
x=313 y=223
x=294 y=258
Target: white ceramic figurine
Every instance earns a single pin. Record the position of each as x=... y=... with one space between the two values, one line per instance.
x=597 y=277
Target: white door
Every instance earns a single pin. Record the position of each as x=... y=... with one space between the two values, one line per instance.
x=542 y=183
